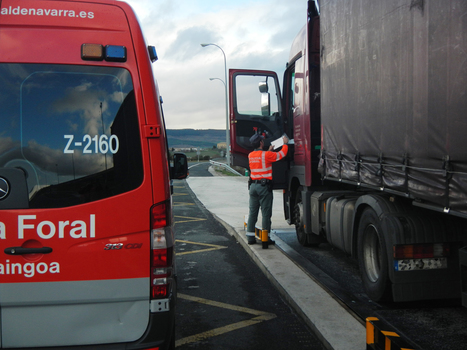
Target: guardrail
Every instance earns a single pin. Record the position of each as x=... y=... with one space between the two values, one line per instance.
x=226 y=167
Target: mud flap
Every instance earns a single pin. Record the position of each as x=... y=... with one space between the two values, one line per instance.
x=463 y=268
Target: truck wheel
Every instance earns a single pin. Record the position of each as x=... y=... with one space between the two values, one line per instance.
x=372 y=257
x=297 y=219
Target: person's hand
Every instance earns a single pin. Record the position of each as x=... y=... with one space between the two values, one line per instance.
x=271 y=148
x=285 y=139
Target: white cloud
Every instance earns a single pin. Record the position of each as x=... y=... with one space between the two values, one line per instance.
x=253 y=34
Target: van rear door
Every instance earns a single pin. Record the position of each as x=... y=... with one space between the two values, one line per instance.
x=255 y=106
x=75 y=178
x=75 y=257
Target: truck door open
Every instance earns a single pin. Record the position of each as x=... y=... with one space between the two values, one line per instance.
x=255 y=107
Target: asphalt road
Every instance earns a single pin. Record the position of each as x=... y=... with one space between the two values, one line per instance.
x=199 y=169
x=224 y=300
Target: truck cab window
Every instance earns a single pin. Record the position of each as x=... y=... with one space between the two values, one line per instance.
x=257 y=105
x=251 y=101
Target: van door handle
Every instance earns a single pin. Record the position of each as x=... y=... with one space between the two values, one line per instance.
x=21 y=251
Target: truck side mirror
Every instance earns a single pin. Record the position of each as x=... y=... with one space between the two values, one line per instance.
x=263 y=86
x=179 y=170
x=265 y=104
x=265 y=99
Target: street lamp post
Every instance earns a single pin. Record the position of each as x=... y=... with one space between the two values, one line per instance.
x=227 y=133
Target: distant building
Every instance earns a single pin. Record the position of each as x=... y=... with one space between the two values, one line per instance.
x=221 y=145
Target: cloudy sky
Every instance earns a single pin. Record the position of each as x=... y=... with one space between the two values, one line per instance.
x=253 y=34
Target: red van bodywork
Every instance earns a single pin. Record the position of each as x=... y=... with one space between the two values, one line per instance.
x=86 y=230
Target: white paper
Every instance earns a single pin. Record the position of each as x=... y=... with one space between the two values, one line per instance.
x=277 y=143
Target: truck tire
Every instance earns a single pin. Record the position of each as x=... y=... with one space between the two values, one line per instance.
x=298 y=218
x=306 y=240
x=372 y=257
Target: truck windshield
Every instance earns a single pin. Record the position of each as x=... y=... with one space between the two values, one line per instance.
x=73 y=130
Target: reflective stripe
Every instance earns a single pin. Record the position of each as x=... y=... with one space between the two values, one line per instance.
x=261 y=163
x=280 y=155
x=259 y=166
x=260 y=170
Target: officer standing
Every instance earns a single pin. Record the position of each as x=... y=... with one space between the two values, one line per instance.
x=260 y=184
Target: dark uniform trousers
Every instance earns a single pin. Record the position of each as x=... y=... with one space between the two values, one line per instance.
x=260 y=196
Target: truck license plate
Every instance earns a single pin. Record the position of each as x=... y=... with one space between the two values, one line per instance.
x=420 y=264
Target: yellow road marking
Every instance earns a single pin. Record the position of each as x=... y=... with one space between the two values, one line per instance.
x=260 y=317
x=179 y=194
x=213 y=247
x=187 y=219
x=180 y=204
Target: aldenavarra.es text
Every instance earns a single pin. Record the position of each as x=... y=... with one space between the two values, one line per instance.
x=23 y=11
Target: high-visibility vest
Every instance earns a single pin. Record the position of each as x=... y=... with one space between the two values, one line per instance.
x=261 y=162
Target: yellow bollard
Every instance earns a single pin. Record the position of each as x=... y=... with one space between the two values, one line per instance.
x=265 y=238
x=258 y=233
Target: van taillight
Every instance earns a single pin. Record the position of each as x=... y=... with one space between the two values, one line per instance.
x=162 y=243
x=161 y=215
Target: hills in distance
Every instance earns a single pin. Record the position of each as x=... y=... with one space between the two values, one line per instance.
x=189 y=138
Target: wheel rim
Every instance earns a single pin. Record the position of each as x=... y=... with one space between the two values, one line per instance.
x=372 y=254
x=298 y=210
x=298 y=214
x=298 y=219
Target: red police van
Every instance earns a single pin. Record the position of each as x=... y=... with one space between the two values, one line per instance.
x=86 y=224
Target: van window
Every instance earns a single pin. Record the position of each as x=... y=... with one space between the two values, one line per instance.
x=72 y=130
